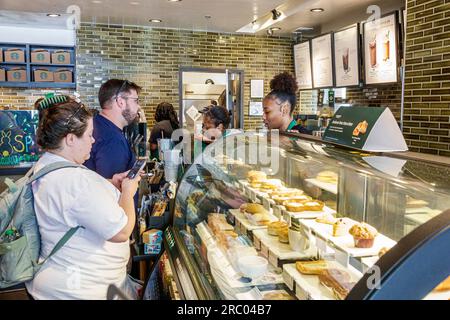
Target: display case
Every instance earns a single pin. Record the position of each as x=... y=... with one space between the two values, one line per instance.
x=262 y=215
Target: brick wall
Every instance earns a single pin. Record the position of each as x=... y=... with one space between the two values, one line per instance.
x=427 y=88
x=152 y=57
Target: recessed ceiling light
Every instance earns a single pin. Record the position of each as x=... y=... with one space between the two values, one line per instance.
x=155 y=20
x=53 y=15
x=174 y=0
x=208 y=17
x=96 y=1
x=317 y=10
x=135 y=3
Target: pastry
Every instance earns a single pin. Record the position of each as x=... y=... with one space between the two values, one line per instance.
x=339 y=281
x=283 y=235
x=271 y=184
x=363 y=126
x=287 y=192
x=339 y=228
x=275 y=226
x=253 y=208
x=254 y=176
x=311 y=267
x=327 y=176
x=299 y=206
x=382 y=251
x=255 y=184
x=299 y=198
x=363 y=235
x=326 y=219
x=444 y=285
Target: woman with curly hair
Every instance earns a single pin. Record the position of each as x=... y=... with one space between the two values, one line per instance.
x=280 y=103
x=166 y=122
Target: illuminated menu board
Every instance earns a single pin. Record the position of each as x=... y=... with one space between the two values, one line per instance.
x=302 y=61
x=346 y=55
x=322 y=61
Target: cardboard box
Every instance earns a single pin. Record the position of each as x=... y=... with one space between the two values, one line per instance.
x=16 y=75
x=40 y=56
x=152 y=237
x=2 y=74
x=43 y=75
x=61 y=57
x=63 y=75
x=14 y=55
x=1 y=55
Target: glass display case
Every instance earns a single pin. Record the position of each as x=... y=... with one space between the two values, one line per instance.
x=266 y=216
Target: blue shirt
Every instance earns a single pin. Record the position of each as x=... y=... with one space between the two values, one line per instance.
x=111 y=152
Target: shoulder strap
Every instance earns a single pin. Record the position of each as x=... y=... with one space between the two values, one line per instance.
x=62 y=242
x=52 y=167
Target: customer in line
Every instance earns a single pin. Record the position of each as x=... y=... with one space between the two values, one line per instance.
x=279 y=104
x=96 y=255
x=166 y=123
x=111 y=152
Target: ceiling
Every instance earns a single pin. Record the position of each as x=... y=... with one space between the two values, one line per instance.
x=225 y=15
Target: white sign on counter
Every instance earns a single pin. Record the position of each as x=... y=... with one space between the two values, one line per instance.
x=380 y=50
x=346 y=55
x=302 y=61
x=322 y=62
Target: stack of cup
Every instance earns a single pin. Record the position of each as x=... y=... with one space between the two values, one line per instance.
x=163 y=145
x=172 y=162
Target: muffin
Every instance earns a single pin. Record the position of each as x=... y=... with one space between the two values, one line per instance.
x=363 y=235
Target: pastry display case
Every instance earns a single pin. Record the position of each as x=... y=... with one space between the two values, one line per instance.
x=266 y=216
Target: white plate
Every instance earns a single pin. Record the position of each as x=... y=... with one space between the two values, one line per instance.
x=330 y=187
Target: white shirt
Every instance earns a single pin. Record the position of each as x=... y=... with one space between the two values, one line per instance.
x=85 y=266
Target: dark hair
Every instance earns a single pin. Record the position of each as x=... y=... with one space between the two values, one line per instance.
x=218 y=115
x=284 y=87
x=165 y=111
x=112 y=88
x=60 y=119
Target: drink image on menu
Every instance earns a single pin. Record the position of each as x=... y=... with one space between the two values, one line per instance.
x=386 y=48
x=345 y=61
x=373 y=52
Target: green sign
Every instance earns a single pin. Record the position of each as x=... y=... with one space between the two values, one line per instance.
x=352 y=126
x=40 y=56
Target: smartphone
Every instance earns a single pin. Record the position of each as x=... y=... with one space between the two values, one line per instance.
x=137 y=166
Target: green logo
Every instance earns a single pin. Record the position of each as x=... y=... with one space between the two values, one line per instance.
x=61 y=58
x=40 y=56
x=14 y=56
x=44 y=75
x=63 y=76
x=16 y=75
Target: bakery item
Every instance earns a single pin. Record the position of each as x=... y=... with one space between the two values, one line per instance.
x=363 y=235
x=326 y=219
x=299 y=206
x=275 y=226
x=280 y=295
x=311 y=267
x=444 y=285
x=286 y=192
x=253 y=208
x=271 y=184
x=281 y=199
x=337 y=280
x=327 y=176
x=254 y=176
x=339 y=228
x=283 y=235
x=382 y=251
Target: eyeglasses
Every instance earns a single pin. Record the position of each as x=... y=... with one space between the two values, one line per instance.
x=81 y=106
x=136 y=100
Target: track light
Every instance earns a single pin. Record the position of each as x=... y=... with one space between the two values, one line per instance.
x=275 y=14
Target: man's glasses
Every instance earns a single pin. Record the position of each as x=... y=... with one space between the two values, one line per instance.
x=136 y=100
x=81 y=106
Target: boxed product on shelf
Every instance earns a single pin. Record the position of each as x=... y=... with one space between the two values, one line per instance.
x=16 y=75
x=2 y=74
x=43 y=75
x=1 y=54
x=40 y=56
x=15 y=55
x=63 y=75
x=61 y=57
x=152 y=248
x=153 y=236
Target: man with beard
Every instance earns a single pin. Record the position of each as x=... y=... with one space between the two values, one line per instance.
x=111 y=153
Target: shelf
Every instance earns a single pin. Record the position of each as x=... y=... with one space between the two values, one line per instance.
x=287 y=215
x=14 y=63
x=330 y=187
x=70 y=85
x=52 y=65
x=11 y=84
x=244 y=224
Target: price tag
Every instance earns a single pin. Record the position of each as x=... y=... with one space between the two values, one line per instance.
x=237 y=226
x=266 y=204
x=256 y=243
x=264 y=250
x=273 y=259
x=253 y=196
x=301 y=293
x=288 y=280
x=341 y=257
x=277 y=211
x=287 y=217
x=243 y=229
x=321 y=245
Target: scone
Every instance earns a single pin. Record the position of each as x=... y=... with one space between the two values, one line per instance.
x=311 y=267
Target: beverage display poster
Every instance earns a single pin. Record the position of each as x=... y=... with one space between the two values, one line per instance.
x=322 y=61
x=380 y=50
x=302 y=61
x=18 y=136
x=347 y=57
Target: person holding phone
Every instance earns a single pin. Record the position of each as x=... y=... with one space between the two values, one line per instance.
x=96 y=255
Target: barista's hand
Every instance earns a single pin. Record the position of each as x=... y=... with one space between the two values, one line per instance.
x=130 y=186
x=117 y=179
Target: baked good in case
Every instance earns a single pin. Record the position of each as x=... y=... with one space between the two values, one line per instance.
x=339 y=228
x=271 y=184
x=443 y=286
x=327 y=176
x=283 y=295
x=311 y=267
x=339 y=281
x=299 y=198
x=286 y=192
x=363 y=235
x=252 y=208
x=283 y=235
x=326 y=219
x=275 y=226
x=294 y=206
x=254 y=176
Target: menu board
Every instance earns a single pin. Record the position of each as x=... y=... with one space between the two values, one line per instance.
x=322 y=62
x=346 y=55
x=302 y=61
x=380 y=50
